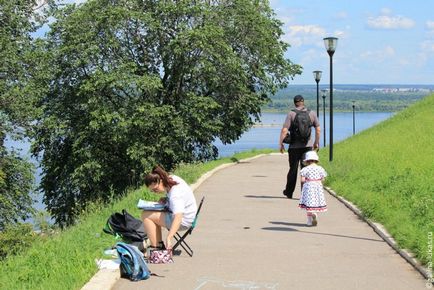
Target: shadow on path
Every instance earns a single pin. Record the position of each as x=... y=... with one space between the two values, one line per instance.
x=268 y=196
x=289 y=229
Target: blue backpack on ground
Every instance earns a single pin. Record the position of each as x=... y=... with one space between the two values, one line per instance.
x=133 y=265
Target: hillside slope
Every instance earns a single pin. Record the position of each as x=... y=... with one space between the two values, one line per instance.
x=388 y=172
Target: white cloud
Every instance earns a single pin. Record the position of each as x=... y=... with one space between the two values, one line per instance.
x=420 y=59
x=389 y=51
x=306 y=30
x=427 y=46
x=298 y=35
x=342 y=15
x=429 y=25
x=341 y=34
x=386 y=11
x=287 y=15
x=285 y=18
x=405 y=62
x=379 y=55
x=311 y=56
x=390 y=22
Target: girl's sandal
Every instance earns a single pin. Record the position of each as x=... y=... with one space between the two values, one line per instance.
x=314 y=220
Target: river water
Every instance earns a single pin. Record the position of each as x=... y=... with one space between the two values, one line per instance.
x=266 y=135
x=263 y=135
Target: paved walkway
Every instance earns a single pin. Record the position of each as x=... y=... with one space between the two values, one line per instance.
x=250 y=237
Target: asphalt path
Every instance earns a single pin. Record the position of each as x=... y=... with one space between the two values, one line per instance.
x=249 y=236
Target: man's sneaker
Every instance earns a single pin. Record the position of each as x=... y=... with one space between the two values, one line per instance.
x=288 y=196
x=314 y=220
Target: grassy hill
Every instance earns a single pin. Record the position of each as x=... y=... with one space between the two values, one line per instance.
x=388 y=172
x=66 y=260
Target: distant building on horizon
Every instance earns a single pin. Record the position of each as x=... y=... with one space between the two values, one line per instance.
x=400 y=90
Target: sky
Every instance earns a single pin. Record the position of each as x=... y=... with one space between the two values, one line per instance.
x=379 y=42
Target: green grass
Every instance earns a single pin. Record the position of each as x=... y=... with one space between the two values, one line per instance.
x=67 y=260
x=388 y=172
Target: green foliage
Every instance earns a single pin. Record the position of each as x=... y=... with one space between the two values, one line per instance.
x=16 y=179
x=19 y=64
x=15 y=239
x=388 y=171
x=42 y=222
x=149 y=82
x=66 y=260
x=16 y=55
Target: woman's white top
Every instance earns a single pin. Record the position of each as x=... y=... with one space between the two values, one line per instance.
x=181 y=200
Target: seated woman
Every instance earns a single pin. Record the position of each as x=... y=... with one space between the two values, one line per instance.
x=181 y=203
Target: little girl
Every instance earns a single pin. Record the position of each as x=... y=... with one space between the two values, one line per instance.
x=312 y=195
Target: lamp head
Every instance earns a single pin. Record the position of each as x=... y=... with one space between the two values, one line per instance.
x=324 y=93
x=331 y=44
x=317 y=75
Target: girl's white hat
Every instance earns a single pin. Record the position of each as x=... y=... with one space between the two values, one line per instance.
x=311 y=155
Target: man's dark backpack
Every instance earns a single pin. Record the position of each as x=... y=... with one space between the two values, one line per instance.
x=126 y=227
x=301 y=127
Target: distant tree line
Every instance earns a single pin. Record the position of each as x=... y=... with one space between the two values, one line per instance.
x=364 y=100
x=116 y=87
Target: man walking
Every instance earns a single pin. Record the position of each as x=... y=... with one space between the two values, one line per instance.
x=298 y=123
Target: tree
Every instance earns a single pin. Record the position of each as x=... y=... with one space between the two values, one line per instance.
x=135 y=83
x=18 y=55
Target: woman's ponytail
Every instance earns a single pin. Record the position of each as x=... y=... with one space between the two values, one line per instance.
x=157 y=174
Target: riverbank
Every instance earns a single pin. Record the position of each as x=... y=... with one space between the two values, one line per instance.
x=266 y=134
x=263 y=135
x=37 y=266
x=398 y=196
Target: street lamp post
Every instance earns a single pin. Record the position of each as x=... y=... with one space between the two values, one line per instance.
x=323 y=115
x=354 y=118
x=330 y=45
x=317 y=76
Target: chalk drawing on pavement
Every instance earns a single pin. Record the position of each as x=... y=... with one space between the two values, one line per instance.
x=212 y=283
